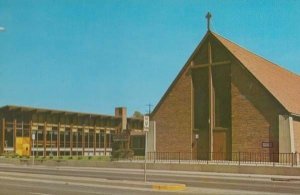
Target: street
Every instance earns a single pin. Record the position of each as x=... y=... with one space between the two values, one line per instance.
x=77 y=180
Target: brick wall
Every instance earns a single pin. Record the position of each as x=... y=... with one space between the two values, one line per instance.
x=296 y=125
x=173 y=118
x=254 y=114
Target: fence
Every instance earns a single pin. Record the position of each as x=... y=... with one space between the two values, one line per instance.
x=238 y=158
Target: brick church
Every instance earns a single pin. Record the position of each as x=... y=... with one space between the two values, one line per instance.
x=227 y=99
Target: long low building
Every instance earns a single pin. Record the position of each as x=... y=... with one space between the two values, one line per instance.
x=44 y=132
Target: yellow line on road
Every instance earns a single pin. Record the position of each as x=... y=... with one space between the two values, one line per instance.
x=171 y=187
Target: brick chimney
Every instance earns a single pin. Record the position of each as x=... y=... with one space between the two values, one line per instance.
x=122 y=112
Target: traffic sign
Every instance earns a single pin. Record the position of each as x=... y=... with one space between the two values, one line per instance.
x=146 y=123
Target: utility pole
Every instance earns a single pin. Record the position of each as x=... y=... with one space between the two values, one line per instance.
x=149 y=108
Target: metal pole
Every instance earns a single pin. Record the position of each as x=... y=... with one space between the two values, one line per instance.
x=292 y=159
x=33 y=136
x=145 y=161
x=65 y=143
x=146 y=135
x=77 y=144
x=37 y=142
x=88 y=134
x=51 y=144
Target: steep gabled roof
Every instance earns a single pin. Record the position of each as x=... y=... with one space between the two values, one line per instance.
x=180 y=73
x=281 y=83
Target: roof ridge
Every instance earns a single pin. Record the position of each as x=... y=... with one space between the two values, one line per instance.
x=217 y=36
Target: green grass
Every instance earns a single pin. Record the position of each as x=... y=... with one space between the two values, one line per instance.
x=85 y=158
x=63 y=158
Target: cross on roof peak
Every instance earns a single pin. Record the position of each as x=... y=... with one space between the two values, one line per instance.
x=208 y=17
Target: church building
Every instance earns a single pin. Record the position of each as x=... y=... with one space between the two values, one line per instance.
x=227 y=99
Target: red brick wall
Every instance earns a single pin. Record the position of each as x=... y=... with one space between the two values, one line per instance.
x=296 y=125
x=173 y=118
x=254 y=114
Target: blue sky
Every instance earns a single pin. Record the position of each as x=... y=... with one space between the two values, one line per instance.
x=92 y=56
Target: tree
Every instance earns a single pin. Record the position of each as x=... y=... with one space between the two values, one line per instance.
x=137 y=114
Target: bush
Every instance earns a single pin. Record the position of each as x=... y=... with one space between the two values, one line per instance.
x=11 y=155
x=122 y=154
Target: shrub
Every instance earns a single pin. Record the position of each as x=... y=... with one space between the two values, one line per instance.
x=122 y=154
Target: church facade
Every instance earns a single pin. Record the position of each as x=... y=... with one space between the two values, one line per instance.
x=226 y=100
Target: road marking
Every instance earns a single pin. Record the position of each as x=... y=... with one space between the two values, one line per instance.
x=169 y=187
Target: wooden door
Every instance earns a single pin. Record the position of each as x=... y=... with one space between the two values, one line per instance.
x=219 y=145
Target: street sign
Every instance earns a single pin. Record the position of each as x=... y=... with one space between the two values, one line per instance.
x=121 y=137
x=146 y=123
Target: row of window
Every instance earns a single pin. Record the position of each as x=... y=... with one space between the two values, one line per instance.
x=79 y=138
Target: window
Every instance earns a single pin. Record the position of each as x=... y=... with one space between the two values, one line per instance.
x=222 y=97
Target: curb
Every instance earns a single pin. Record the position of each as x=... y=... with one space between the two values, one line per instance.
x=285 y=179
x=169 y=187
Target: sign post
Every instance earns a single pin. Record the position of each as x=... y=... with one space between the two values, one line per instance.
x=146 y=129
x=33 y=138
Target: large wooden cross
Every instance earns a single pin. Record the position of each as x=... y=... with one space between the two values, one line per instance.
x=211 y=94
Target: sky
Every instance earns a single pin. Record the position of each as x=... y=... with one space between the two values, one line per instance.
x=95 y=55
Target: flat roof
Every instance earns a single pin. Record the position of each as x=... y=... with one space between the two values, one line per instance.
x=55 y=111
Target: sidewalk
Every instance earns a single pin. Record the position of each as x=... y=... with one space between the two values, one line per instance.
x=178 y=173
x=210 y=168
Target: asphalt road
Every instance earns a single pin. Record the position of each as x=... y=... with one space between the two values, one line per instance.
x=50 y=187
x=72 y=180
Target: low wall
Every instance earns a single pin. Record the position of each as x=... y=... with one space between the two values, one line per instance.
x=240 y=169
